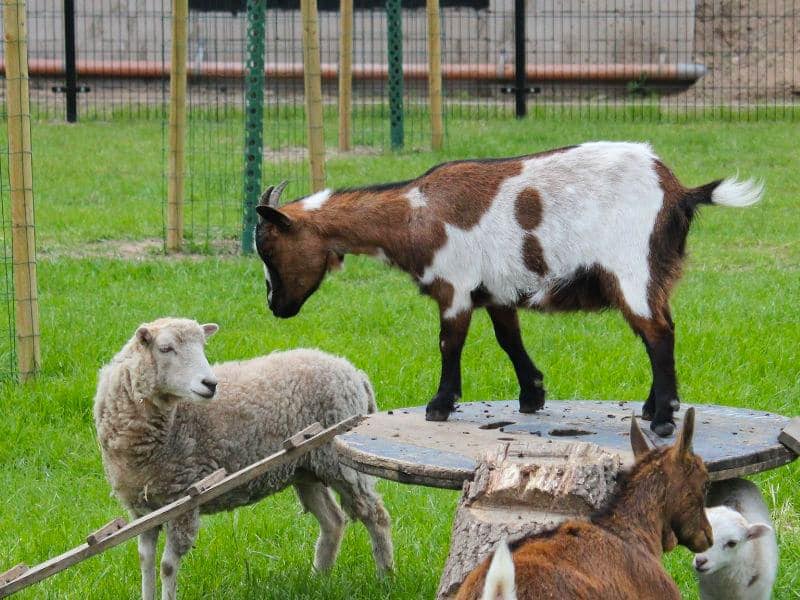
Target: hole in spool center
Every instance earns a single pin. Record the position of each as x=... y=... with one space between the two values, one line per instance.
x=570 y=432
x=496 y=424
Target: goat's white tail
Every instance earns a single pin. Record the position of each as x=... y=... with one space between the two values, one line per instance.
x=732 y=192
x=500 y=576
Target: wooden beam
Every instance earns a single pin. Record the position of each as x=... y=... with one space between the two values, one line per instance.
x=435 y=74
x=106 y=530
x=301 y=436
x=20 y=175
x=13 y=573
x=177 y=125
x=201 y=486
x=790 y=436
x=345 y=73
x=174 y=509
x=313 y=92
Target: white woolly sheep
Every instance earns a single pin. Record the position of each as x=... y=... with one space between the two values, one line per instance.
x=742 y=563
x=160 y=431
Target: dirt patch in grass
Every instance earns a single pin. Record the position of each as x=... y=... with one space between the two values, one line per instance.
x=147 y=249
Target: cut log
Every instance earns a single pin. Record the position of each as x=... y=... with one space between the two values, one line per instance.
x=520 y=488
x=790 y=436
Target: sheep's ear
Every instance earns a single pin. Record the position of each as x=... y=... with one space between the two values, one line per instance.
x=684 y=443
x=757 y=530
x=210 y=329
x=335 y=260
x=638 y=440
x=274 y=216
x=144 y=335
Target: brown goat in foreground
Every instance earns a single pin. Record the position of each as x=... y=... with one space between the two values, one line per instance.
x=600 y=225
x=617 y=554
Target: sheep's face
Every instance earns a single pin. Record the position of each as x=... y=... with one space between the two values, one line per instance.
x=731 y=533
x=295 y=260
x=177 y=349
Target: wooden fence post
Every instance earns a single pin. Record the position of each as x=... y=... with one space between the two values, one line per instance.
x=177 y=125
x=435 y=74
x=23 y=240
x=345 y=74
x=313 y=92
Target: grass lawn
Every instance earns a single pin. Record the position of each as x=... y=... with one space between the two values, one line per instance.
x=736 y=313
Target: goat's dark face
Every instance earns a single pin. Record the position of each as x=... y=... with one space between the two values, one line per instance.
x=688 y=484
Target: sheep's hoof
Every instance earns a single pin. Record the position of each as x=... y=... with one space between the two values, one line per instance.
x=665 y=429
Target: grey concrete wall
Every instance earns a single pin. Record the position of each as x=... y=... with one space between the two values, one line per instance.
x=573 y=31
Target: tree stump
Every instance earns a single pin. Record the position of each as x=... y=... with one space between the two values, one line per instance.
x=524 y=487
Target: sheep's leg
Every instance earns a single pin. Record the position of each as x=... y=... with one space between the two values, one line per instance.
x=361 y=501
x=452 y=334
x=658 y=335
x=316 y=498
x=181 y=533
x=147 y=562
x=507 y=332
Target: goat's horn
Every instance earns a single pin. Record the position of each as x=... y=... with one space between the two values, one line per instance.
x=275 y=194
x=264 y=200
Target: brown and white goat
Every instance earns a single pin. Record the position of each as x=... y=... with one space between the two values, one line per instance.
x=617 y=554
x=588 y=227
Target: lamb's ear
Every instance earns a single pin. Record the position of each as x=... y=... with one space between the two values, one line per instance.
x=335 y=260
x=684 y=443
x=210 y=329
x=273 y=215
x=144 y=335
x=757 y=530
x=638 y=441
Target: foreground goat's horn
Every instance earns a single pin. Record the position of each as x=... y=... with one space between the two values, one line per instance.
x=275 y=194
x=264 y=200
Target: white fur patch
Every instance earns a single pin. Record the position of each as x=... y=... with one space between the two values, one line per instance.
x=315 y=201
x=732 y=192
x=269 y=281
x=416 y=199
x=500 y=577
x=599 y=205
x=380 y=254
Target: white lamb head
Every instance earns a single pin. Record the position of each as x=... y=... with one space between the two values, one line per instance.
x=731 y=533
x=177 y=350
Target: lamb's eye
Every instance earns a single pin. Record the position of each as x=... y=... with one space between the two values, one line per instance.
x=166 y=349
x=730 y=544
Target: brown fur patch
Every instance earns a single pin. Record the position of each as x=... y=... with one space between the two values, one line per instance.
x=528 y=208
x=440 y=290
x=533 y=255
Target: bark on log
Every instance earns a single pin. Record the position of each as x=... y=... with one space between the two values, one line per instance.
x=521 y=488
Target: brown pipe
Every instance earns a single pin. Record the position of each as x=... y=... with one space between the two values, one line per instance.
x=565 y=73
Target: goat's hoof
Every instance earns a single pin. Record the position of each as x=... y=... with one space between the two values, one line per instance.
x=675 y=404
x=532 y=400
x=436 y=414
x=665 y=429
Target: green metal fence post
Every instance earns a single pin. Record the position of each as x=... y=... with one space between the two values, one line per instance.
x=394 y=35
x=254 y=119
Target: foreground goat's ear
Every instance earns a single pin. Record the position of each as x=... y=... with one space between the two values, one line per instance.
x=757 y=530
x=273 y=215
x=638 y=441
x=335 y=260
x=144 y=335
x=684 y=443
x=210 y=329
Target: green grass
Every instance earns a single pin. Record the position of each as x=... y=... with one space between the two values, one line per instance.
x=736 y=313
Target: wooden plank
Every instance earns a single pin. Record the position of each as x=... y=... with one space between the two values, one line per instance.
x=435 y=74
x=177 y=125
x=345 y=74
x=172 y=510
x=201 y=486
x=20 y=175
x=106 y=530
x=790 y=436
x=313 y=91
x=301 y=436
x=13 y=573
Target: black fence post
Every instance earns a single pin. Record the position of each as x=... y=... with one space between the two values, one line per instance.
x=520 y=91
x=71 y=88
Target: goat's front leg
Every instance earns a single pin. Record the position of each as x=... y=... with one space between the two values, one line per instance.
x=452 y=334
x=147 y=562
x=506 y=330
x=181 y=533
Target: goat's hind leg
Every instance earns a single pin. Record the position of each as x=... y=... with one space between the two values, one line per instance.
x=316 y=498
x=506 y=329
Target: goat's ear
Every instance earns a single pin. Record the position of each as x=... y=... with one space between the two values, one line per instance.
x=144 y=335
x=638 y=441
x=210 y=329
x=757 y=530
x=684 y=443
x=273 y=215
x=335 y=260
